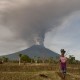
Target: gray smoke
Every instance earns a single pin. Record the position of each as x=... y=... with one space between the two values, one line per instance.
x=30 y=20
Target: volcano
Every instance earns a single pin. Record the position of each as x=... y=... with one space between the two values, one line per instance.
x=34 y=51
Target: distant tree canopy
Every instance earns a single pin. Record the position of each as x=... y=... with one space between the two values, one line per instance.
x=71 y=59
x=25 y=58
x=5 y=59
x=20 y=55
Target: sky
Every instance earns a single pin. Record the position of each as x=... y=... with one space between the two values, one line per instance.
x=66 y=37
x=54 y=24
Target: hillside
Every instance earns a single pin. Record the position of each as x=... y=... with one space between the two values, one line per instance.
x=34 y=51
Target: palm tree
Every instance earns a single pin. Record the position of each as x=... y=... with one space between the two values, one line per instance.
x=20 y=58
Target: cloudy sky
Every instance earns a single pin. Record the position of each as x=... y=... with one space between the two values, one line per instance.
x=54 y=24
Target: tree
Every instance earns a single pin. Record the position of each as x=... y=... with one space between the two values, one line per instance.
x=38 y=60
x=20 y=58
x=1 y=62
x=35 y=59
x=71 y=59
x=5 y=59
x=25 y=58
x=51 y=60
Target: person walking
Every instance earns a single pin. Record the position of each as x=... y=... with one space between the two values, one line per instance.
x=63 y=61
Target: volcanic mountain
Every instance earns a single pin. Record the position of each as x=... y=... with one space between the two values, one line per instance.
x=34 y=51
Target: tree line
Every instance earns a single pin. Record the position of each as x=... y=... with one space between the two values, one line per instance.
x=26 y=59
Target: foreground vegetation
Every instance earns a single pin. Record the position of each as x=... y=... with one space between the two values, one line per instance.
x=28 y=76
x=39 y=71
x=26 y=68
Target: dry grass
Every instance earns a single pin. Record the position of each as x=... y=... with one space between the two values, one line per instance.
x=32 y=72
x=28 y=76
x=68 y=77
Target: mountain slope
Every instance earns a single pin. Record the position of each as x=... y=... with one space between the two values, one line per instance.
x=34 y=51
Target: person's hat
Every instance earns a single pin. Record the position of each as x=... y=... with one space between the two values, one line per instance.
x=63 y=51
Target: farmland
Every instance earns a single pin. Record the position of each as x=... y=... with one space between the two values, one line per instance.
x=13 y=71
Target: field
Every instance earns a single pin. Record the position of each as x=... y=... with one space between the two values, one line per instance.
x=12 y=71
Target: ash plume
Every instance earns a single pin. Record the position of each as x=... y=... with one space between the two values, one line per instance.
x=30 y=20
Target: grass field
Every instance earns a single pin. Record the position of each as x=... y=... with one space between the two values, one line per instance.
x=37 y=72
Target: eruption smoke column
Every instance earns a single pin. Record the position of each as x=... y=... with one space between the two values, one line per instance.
x=31 y=19
x=39 y=41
